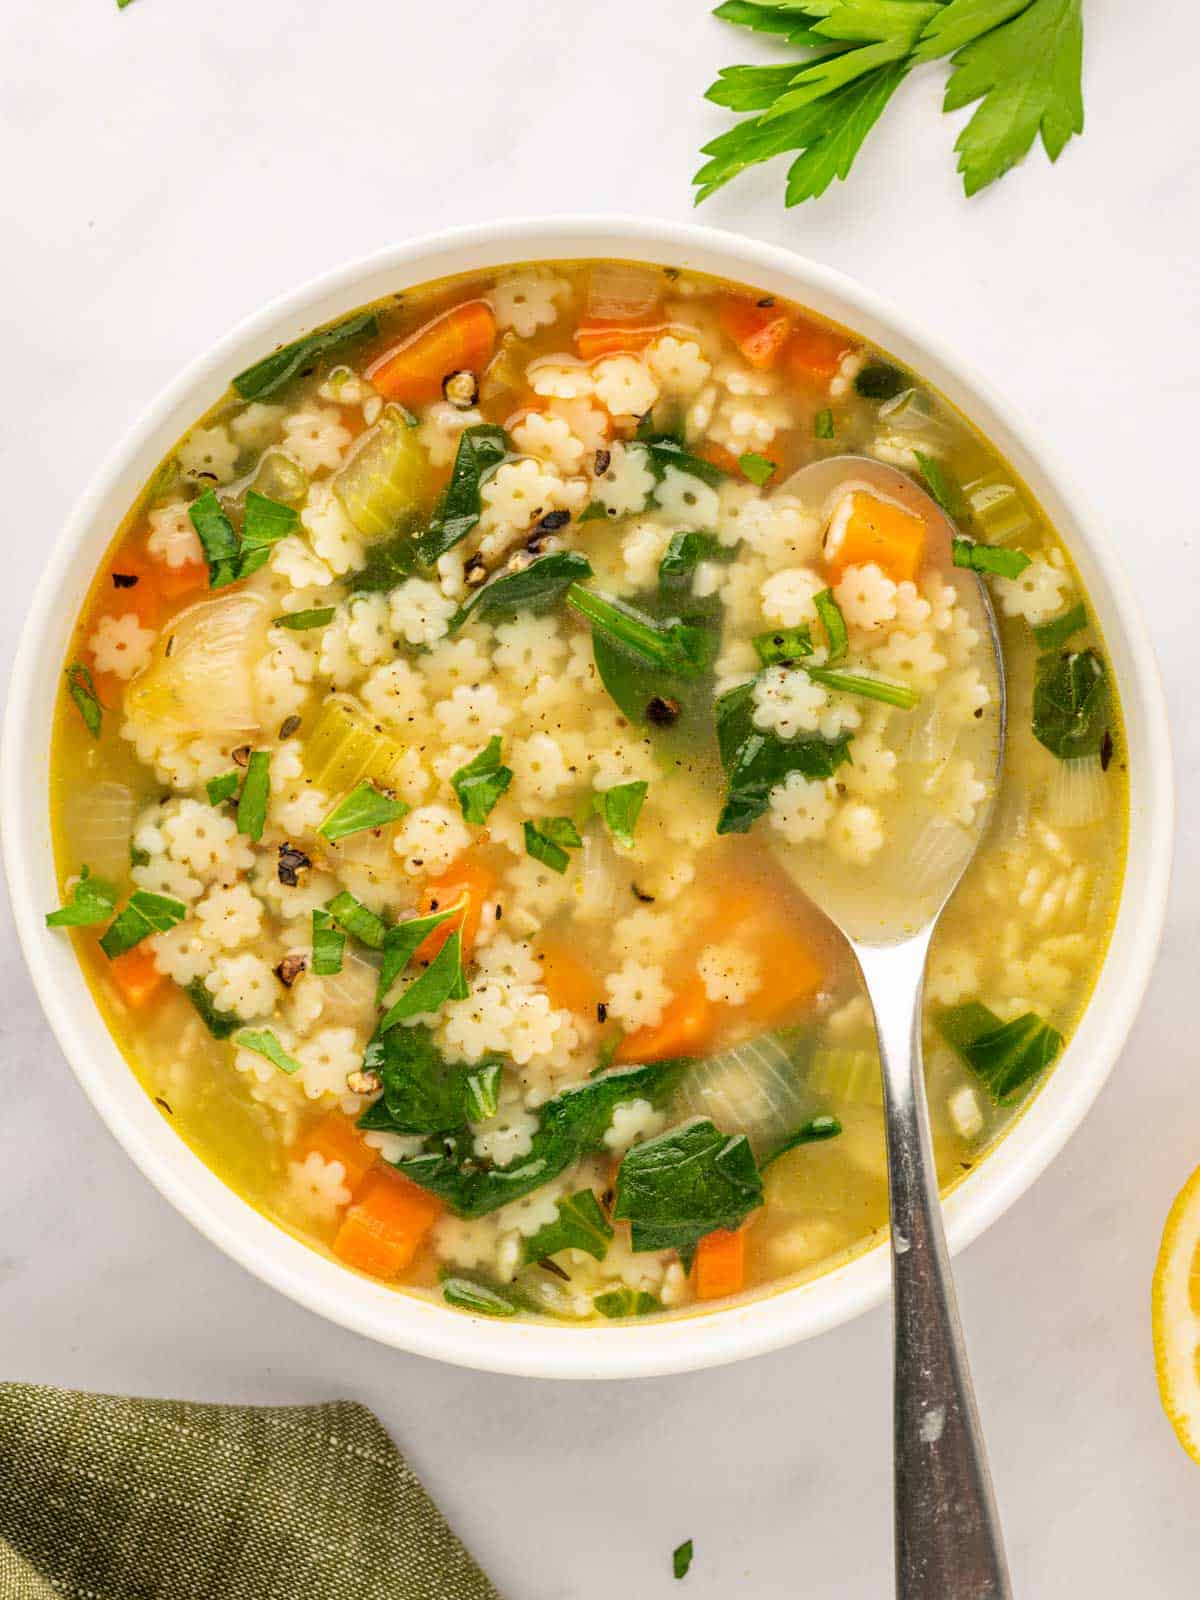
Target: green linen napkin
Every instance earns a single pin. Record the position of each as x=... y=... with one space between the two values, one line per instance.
x=104 y=1498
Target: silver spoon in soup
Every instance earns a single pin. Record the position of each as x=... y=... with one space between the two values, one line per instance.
x=948 y=1540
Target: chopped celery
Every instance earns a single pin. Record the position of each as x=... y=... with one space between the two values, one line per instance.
x=279 y=478
x=344 y=749
x=843 y=1076
x=380 y=482
x=997 y=510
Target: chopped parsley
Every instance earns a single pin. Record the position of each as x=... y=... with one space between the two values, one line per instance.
x=232 y=556
x=620 y=807
x=990 y=558
x=757 y=468
x=83 y=692
x=481 y=782
x=144 y=913
x=836 y=632
x=221 y=1024
x=402 y=941
x=1020 y=59
x=549 y=840
x=223 y=788
x=300 y=621
x=356 y=919
x=92 y=900
x=364 y=807
x=328 y=945
x=264 y=1043
x=681 y=1558
x=256 y=791
x=442 y=980
x=535 y=588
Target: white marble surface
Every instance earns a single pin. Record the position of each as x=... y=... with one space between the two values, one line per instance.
x=168 y=167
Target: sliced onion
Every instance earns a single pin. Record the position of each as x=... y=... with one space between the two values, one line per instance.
x=1077 y=794
x=349 y=995
x=598 y=877
x=621 y=291
x=753 y=1088
x=99 y=823
x=937 y=856
x=200 y=682
x=931 y=735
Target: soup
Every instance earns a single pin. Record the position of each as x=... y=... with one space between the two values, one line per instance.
x=451 y=732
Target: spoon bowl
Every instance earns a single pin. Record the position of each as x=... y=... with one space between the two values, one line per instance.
x=931 y=848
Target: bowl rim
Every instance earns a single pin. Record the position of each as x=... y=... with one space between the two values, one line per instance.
x=778 y=1317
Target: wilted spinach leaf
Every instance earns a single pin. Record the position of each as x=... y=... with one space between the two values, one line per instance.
x=1071 y=707
x=755 y=761
x=675 y=1188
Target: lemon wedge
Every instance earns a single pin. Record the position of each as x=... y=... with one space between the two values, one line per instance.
x=1176 y=1317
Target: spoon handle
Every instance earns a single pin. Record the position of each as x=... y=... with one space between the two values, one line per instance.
x=948 y=1539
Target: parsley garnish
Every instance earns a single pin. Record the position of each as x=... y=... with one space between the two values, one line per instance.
x=230 y=555
x=219 y=1023
x=757 y=468
x=836 y=632
x=143 y=914
x=989 y=558
x=479 y=1298
x=328 y=945
x=83 y=691
x=298 y=621
x=264 y=1043
x=783 y=644
x=626 y=1303
x=684 y=554
x=620 y=807
x=352 y=915
x=442 y=980
x=402 y=941
x=223 y=788
x=364 y=807
x=549 y=841
x=92 y=900
x=1020 y=59
x=681 y=1558
x=256 y=791
x=480 y=783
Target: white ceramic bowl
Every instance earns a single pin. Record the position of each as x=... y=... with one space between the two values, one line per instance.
x=777 y=1318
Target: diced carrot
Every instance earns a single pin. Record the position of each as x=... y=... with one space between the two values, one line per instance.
x=468 y=876
x=865 y=529
x=382 y=1231
x=609 y=338
x=759 y=331
x=720 y=1265
x=570 y=983
x=461 y=339
x=789 y=965
x=136 y=977
x=814 y=351
x=335 y=1138
x=188 y=578
x=109 y=688
x=685 y=1028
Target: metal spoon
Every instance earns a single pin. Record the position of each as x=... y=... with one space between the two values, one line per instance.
x=948 y=1539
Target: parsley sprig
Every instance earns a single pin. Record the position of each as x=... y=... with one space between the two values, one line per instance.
x=1019 y=62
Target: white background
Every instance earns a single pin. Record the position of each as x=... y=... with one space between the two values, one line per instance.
x=169 y=167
